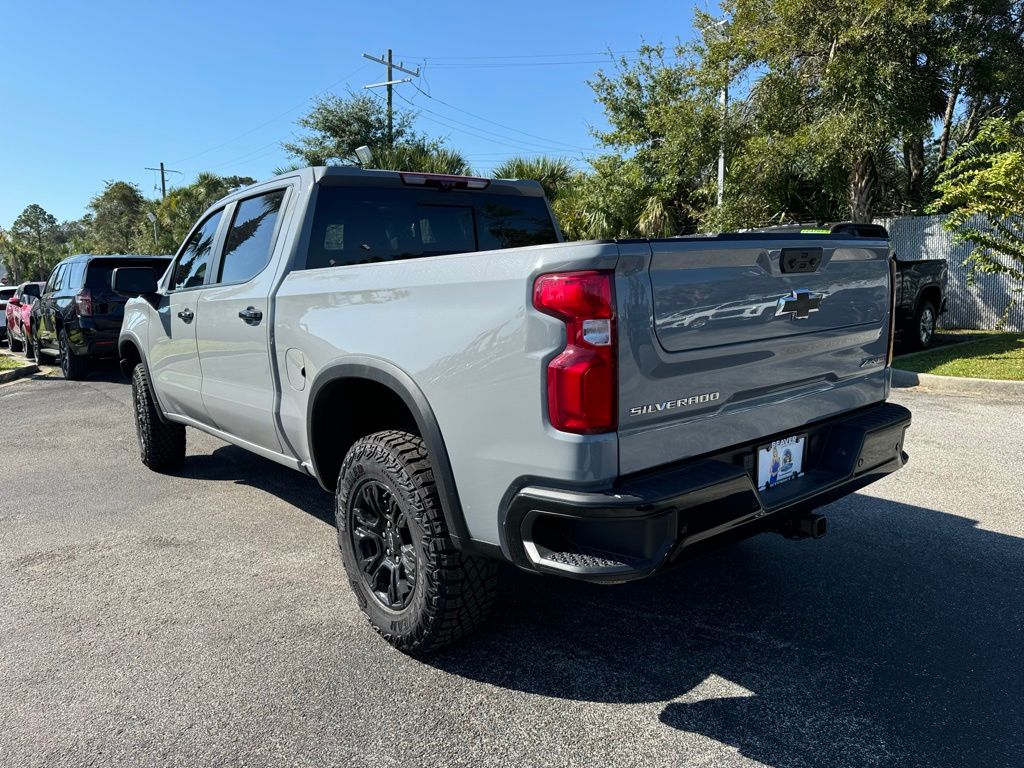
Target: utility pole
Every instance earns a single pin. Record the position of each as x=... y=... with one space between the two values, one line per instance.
x=390 y=65
x=723 y=101
x=391 y=109
x=721 y=30
x=163 y=178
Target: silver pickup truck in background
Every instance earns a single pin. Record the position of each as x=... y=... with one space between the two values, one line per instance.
x=474 y=390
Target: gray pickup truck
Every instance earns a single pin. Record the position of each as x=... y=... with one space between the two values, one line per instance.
x=475 y=390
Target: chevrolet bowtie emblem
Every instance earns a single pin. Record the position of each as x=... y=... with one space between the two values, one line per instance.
x=800 y=303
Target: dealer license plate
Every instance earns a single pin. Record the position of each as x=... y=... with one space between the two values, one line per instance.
x=781 y=461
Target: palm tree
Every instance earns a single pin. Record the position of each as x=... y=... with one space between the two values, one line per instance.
x=553 y=173
x=422 y=158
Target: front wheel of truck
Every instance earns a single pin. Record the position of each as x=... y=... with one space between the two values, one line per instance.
x=161 y=444
x=419 y=592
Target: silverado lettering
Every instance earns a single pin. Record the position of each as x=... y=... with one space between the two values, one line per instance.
x=708 y=397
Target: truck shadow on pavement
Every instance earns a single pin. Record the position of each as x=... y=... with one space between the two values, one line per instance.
x=896 y=640
x=229 y=463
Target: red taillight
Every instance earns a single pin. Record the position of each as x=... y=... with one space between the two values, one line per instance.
x=83 y=301
x=581 y=380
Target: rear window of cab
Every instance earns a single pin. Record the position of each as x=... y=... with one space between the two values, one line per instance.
x=361 y=225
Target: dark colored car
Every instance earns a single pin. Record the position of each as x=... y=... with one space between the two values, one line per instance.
x=18 y=317
x=920 y=290
x=920 y=283
x=79 y=316
x=920 y=299
x=6 y=292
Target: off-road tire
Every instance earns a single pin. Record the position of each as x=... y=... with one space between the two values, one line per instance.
x=74 y=367
x=161 y=444
x=453 y=592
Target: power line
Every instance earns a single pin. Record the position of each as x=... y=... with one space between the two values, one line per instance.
x=249 y=155
x=163 y=178
x=514 y=65
x=481 y=133
x=389 y=84
x=500 y=125
x=519 y=64
x=524 y=55
x=302 y=103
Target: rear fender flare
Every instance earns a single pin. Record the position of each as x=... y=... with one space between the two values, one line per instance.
x=402 y=384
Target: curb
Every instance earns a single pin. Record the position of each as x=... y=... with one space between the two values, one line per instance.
x=905 y=379
x=17 y=373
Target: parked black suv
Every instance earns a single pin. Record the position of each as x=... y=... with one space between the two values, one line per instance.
x=79 y=315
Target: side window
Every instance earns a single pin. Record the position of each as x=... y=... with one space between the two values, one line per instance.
x=190 y=268
x=58 y=277
x=75 y=275
x=51 y=281
x=249 y=241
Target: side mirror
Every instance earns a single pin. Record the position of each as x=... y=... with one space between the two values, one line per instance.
x=14 y=301
x=131 y=282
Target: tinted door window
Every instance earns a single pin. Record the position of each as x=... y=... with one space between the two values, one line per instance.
x=190 y=269
x=59 y=277
x=75 y=275
x=354 y=225
x=52 y=281
x=248 y=244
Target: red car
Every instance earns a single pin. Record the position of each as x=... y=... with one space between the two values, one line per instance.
x=19 y=317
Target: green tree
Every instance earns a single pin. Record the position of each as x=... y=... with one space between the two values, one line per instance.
x=836 y=110
x=34 y=244
x=337 y=125
x=979 y=57
x=425 y=157
x=983 y=191
x=180 y=210
x=75 y=235
x=842 y=79
x=7 y=257
x=117 y=214
x=657 y=175
x=554 y=174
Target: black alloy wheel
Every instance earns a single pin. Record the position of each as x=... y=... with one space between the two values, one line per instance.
x=383 y=544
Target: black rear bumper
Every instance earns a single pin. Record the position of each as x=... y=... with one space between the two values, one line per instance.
x=651 y=521
x=88 y=341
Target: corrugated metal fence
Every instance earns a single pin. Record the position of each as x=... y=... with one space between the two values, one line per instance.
x=980 y=306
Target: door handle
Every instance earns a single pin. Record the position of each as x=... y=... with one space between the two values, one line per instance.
x=186 y=314
x=251 y=315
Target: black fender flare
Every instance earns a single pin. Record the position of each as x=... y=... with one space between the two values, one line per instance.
x=122 y=358
x=402 y=384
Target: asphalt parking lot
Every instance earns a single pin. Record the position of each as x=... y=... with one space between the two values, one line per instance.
x=203 y=619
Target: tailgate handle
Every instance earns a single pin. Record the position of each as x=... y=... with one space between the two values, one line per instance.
x=800 y=260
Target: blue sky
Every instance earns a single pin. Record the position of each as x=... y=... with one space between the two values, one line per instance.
x=98 y=91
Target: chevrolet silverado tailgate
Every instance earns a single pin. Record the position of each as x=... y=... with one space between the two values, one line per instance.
x=731 y=339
